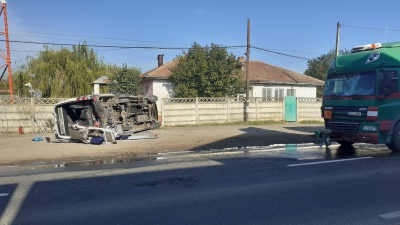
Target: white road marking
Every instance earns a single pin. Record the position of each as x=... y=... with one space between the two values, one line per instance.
x=8 y=166
x=16 y=201
x=329 y=161
x=3 y=194
x=391 y=215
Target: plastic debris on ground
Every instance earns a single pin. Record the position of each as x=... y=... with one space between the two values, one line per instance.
x=37 y=139
x=142 y=135
x=48 y=140
x=97 y=140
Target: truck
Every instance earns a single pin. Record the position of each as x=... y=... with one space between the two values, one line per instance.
x=361 y=98
x=110 y=116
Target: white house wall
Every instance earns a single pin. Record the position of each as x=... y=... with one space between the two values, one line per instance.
x=301 y=91
x=160 y=88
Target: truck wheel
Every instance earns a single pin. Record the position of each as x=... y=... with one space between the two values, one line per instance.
x=390 y=146
x=345 y=143
x=395 y=145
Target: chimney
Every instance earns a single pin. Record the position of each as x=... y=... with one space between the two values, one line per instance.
x=160 y=59
x=241 y=58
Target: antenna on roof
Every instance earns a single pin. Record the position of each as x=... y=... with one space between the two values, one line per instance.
x=385 y=35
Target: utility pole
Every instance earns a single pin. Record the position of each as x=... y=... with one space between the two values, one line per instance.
x=6 y=56
x=337 y=38
x=246 y=119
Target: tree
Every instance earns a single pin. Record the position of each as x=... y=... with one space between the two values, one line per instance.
x=318 y=67
x=3 y=85
x=126 y=80
x=207 y=72
x=60 y=72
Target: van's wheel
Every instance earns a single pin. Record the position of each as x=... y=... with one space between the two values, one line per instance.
x=345 y=143
x=395 y=145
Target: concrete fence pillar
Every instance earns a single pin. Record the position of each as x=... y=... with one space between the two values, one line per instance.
x=197 y=110
x=297 y=109
x=162 y=112
x=256 y=99
x=228 y=110
x=32 y=114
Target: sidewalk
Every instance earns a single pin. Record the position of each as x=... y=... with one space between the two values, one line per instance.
x=18 y=149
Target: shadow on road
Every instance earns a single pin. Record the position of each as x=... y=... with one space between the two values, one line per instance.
x=255 y=136
x=307 y=129
x=221 y=190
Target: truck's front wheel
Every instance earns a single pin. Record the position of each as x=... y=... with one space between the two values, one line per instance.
x=395 y=145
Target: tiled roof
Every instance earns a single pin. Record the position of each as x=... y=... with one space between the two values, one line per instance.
x=102 y=80
x=260 y=72
x=160 y=72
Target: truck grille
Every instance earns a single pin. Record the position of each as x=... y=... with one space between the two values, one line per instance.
x=342 y=112
x=342 y=127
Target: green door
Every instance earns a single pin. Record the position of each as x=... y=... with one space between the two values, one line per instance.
x=290 y=109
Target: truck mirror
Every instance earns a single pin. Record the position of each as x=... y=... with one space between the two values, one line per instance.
x=385 y=83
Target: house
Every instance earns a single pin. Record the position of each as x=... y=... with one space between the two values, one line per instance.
x=155 y=81
x=272 y=81
x=265 y=81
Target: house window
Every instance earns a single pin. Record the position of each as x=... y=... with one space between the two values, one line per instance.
x=290 y=92
x=279 y=93
x=267 y=92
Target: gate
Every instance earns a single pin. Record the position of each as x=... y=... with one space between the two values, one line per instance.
x=290 y=109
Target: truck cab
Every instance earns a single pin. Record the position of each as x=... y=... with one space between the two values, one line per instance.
x=361 y=99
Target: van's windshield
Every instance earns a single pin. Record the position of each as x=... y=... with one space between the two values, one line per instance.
x=351 y=84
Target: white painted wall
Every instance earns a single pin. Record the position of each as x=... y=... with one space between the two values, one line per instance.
x=162 y=89
x=301 y=91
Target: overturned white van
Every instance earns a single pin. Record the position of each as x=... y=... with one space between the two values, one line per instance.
x=107 y=115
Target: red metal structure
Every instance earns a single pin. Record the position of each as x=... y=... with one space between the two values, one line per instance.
x=7 y=56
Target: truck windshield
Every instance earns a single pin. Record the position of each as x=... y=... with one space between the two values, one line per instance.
x=351 y=84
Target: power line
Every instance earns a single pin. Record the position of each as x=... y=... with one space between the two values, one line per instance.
x=277 y=57
x=118 y=47
x=115 y=47
x=279 y=53
x=65 y=39
x=81 y=36
x=280 y=50
x=368 y=28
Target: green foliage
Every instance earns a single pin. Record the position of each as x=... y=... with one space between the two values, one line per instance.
x=3 y=86
x=126 y=80
x=318 y=67
x=207 y=72
x=60 y=72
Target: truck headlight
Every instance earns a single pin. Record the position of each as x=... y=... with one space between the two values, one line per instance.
x=370 y=128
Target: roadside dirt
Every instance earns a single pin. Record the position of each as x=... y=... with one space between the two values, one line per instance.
x=19 y=149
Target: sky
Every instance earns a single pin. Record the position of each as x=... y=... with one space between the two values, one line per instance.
x=299 y=28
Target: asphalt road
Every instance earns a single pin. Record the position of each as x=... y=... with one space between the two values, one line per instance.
x=279 y=185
